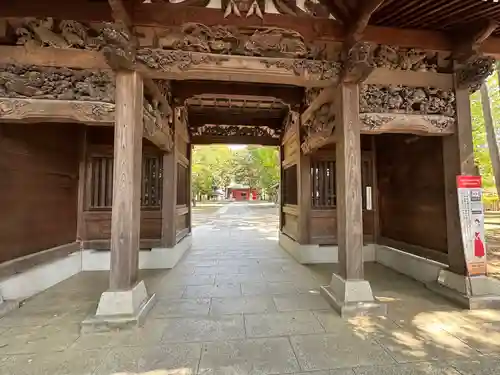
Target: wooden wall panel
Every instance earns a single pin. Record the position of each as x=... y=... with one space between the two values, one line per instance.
x=290 y=225
x=98 y=225
x=38 y=187
x=411 y=190
x=324 y=227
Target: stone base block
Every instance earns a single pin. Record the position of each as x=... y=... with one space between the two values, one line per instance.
x=352 y=298
x=476 y=292
x=120 y=309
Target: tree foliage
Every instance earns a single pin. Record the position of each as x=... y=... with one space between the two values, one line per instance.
x=216 y=166
x=481 y=153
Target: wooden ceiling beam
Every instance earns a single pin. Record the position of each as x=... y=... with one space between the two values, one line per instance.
x=469 y=46
x=358 y=26
x=183 y=90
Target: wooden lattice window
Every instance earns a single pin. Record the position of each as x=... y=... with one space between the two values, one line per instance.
x=323 y=191
x=290 y=192
x=182 y=184
x=151 y=181
x=100 y=189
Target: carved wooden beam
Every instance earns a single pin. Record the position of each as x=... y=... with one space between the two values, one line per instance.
x=378 y=123
x=51 y=110
x=469 y=47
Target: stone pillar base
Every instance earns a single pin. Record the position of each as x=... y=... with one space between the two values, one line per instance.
x=120 y=309
x=476 y=292
x=352 y=298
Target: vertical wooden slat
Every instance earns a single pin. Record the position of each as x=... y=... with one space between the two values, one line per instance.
x=82 y=168
x=348 y=165
x=109 y=182
x=158 y=182
x=95 y=182
x=102 y=182
x=126 y=211
x=321 y=172
x=144 y=181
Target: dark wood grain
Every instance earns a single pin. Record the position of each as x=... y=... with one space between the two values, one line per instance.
x=348 y=173
x=125 y=220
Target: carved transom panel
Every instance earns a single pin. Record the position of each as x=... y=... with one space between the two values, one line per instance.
x=403 y=99
x=236 y=130
x=38 y=82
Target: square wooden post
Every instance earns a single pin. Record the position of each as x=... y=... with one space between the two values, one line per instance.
x=348 y=292
x=169 y=199
x=126 y=302
x=348 y=170
x=126 y=211
x=303 y=187
x=458 y=158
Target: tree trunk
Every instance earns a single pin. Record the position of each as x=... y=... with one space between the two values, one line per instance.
x=490 y=135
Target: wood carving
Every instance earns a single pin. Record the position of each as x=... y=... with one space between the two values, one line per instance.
x=158 y=122
x=290 y=123
x=402 y=99
x=359 y=63
x=316 y=9
x=319 y=128
x=475 y=73
x=394 y=57
x=113 y=39
x=311 y=94
x=168 y=61
x=56 y=83
x=245 y=8
x=377 y=123
x=318 y=70
x=266 y=41
x=237 y=131
x=50 y=110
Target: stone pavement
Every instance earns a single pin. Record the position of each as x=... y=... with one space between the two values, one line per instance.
x=238 y=304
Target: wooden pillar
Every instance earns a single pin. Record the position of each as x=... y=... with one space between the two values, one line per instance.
x=126 y=211
x=169 y=194
x=303 y=188
x=82 y=168
x=348 y=173
x=458 y=158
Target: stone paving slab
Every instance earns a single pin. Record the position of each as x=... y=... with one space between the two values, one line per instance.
x=282 y=324
x=252 y=357
x=238 y=304
x=211 y=328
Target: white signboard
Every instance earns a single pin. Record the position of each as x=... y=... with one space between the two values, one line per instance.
x=472 y=221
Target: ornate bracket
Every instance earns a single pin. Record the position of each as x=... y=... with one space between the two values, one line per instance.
x=319 y=128
x=475 y=73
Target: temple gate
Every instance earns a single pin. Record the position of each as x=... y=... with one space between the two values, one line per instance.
x=373 y=126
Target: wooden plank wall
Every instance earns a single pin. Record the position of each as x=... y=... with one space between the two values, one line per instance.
x=411 y=192
x=289 y=184
x=183 y=206
x=323 y=217
x=97 y=222
x=38 y=187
